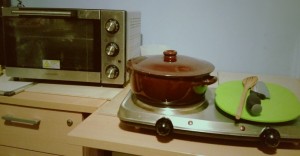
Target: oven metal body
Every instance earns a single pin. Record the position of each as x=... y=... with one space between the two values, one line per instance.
x=82 y=45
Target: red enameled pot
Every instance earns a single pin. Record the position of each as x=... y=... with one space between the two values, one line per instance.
x=170 y=79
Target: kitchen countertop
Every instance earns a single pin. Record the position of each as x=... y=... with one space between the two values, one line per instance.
x=74 y=98
x=56 y=102
x=103 y=130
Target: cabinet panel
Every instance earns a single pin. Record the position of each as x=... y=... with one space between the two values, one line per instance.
x=10 y=151
x=38 y=129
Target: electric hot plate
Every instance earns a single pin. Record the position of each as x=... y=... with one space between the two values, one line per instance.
x=205 y=119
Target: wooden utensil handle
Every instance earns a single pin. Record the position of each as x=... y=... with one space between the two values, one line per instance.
x=242 y=103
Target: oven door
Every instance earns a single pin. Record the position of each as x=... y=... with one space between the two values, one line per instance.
x=55 y=44
x=2 y=4
x=1 y=44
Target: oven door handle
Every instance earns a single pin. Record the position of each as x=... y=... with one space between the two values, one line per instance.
x=42 y=13
x=79 y=13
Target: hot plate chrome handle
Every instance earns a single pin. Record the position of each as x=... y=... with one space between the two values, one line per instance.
x=42 y=13
x=10 y=118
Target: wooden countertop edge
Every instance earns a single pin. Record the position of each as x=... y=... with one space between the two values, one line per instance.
x=112 y=143
x=56 y=102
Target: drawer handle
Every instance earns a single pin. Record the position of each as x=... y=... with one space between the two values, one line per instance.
x=10 y=118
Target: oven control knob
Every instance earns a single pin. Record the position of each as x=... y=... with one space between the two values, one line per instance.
x=112 y=72
x=112 y=49
x=164 y=126
x=112 y=26
x=270 y=137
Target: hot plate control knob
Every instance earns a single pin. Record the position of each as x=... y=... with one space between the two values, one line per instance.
x=112 y=49
x=112 y=72
x=164 y=126
x=112 y=26
x=270 y=136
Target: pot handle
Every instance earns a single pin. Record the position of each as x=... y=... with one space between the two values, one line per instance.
x=207 y=80
x=130 y=63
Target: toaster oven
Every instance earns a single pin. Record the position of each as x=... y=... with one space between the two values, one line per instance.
x=81 y=45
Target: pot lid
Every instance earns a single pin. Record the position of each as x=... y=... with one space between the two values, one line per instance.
x=170 y=64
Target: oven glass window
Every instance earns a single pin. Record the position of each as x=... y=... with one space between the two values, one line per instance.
x=54 y=43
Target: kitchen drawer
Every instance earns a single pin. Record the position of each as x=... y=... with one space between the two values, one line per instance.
x=38 y=129
x=11 y=151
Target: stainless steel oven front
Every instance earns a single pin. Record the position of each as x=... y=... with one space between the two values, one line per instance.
x=83 y=45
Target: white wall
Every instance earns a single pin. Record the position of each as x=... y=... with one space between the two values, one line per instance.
x=256 y=36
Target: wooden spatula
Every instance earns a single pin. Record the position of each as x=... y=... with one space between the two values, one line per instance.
x=247 y=83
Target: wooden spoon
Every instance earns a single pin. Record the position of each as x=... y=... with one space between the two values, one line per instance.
x=248 y=83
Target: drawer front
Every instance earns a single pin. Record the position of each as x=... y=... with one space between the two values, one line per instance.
x=4 y=150
x=38 y=129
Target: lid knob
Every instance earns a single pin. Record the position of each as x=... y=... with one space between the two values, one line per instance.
x=170 y=56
